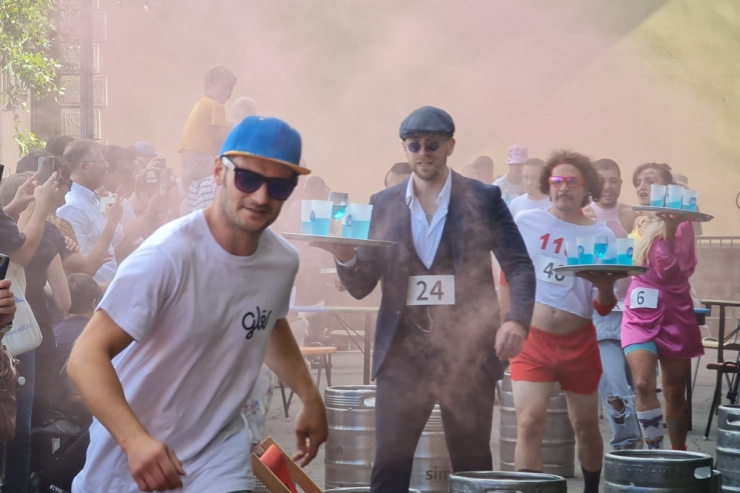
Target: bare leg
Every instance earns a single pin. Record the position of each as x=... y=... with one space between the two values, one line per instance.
x=642 y=363
x=583 y=411
x=674 y=373
x=530 y=403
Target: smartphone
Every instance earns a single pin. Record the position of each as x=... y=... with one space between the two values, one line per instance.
x=4 y=263
x=47 y=167
x=2 y=171
x=166 y=179
x=152 y=176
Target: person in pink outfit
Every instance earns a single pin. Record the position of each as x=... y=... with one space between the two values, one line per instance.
x=659 y=324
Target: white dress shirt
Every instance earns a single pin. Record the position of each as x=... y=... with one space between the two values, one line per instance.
x=427 y=235
x=82 y=210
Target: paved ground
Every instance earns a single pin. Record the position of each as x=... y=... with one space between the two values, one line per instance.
x=347 y=370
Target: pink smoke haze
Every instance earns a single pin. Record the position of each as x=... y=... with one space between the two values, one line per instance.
x=345 y=73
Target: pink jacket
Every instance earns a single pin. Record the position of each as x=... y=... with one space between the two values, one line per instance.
x=672 y=325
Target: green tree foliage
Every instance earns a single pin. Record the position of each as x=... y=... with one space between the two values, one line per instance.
x=24 y=41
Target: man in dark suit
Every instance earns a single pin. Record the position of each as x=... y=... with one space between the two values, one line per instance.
x=439 y=335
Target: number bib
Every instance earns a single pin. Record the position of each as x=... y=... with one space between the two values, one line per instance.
x=431 y=290
x=544 y=266
x=619 y=307
x=644 y=298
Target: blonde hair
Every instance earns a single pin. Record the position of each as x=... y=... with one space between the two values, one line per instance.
x=654 y=229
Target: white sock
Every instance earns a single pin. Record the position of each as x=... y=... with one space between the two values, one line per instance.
x=651 y=423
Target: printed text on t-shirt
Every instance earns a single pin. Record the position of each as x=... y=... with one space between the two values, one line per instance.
x=557 y=242
x=255 y=321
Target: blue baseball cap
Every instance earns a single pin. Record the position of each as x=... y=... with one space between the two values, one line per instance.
x=427 y=120
x=266 y=138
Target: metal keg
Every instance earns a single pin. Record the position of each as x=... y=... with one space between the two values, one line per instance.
x=659 y=471
x=432 y=466
x=728 y=448
x=523 y=482
x=358 y=490
x=558 y=444
x=350 y=448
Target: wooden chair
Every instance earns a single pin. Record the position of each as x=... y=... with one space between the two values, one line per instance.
x=324 y=354
x=726 y=369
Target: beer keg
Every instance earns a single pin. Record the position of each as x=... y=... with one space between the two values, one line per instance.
x=662 y=471
x=558 y=444
x=432 y=465
x=522 y=482
x=350 y=448
x=728 y=448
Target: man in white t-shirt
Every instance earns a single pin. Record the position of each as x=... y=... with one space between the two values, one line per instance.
x=561 y=345
x=511 y=183
x=168 y=359
x=534 y=198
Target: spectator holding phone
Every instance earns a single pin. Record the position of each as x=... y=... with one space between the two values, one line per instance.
x=28 y=205
x=82 y=210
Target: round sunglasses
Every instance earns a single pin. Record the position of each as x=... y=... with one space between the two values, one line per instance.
x=430 y=146
x=571 y=181
x=248 y=181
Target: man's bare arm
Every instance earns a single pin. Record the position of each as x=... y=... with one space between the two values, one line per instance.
x=285 y=359
x=153 y=465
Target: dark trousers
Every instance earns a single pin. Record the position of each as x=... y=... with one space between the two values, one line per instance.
x=18 y=460
x=407 y=390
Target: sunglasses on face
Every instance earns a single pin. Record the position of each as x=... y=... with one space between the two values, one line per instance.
x=415 y=147
x=571 y=181
x=249 y=182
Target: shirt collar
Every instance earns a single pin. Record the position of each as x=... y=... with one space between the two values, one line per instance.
x=83 y=192
x=443 y=200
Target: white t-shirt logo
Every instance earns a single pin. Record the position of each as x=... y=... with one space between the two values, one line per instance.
x=255 y=321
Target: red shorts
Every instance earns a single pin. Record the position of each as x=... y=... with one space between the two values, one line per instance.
x=571 y=359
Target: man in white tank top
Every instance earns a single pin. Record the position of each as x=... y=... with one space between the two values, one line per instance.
x=561 y=345
x=616 y=386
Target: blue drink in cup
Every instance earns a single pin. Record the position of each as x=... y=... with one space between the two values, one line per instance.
x=586 y=250
x=360 y=220
x=610 y=257
x=690 y=197
x=657 y=195
x=306 y=227
x=321 y=217
x=571 y=251
x=601 y=243
x=675 y=196
x=625 y=248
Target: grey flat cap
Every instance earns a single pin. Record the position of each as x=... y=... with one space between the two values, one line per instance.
x=427 y=120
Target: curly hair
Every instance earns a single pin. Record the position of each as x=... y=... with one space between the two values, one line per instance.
x=594 y=182
x=663 y=170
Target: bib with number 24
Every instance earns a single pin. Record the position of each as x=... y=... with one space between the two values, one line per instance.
x=644 y=298
x=431 y=290
x=544 y=266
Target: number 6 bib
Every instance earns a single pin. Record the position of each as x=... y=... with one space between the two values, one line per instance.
x=644 y=298
x=431 y=290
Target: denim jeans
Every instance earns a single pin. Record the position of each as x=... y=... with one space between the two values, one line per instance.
x=18 y=460
x=616 y=382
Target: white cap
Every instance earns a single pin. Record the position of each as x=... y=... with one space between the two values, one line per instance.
x=517 y=154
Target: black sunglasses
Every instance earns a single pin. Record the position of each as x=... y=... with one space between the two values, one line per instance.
x=249 y=182
x=429 y=146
